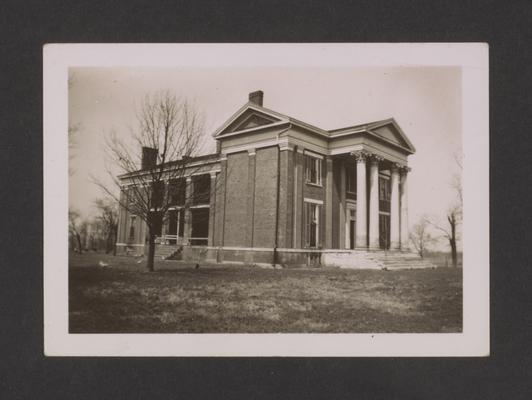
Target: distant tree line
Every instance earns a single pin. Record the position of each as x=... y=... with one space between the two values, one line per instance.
x=95 y=234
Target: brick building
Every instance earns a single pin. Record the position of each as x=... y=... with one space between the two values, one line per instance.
x=282 y=191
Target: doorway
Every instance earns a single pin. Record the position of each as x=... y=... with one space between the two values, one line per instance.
x=384 y=231
x=351 y=214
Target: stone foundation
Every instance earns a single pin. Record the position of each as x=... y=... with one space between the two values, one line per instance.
x=353 y=259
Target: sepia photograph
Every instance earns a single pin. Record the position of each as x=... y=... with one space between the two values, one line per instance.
x=230 y=195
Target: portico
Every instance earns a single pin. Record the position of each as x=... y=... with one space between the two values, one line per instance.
x=376 y=214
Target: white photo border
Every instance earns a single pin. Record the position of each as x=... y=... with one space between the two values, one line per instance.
x=473 y=60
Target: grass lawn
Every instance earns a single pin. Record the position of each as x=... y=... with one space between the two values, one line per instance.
x=123 y=298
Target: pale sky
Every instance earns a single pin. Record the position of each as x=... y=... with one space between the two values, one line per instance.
x=425 y=101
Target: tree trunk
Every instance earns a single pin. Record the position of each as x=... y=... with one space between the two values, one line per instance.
x=151 y=252
x=78 y=237
x=454 y=254
x=453 y=243
x=115 y=238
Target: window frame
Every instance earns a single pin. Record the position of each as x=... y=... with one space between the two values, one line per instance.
x=313 y=209
x=350 y=173
x=316 y=162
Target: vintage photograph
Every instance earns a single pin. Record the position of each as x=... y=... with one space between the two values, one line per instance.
x=265 y=199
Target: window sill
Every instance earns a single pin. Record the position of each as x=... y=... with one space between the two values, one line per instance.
x=314 y=184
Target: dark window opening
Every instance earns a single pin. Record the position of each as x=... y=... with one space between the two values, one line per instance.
x=313 y=170
x=177 y=192
x=384 y=231
x=200 y=226
x=132 y=229
x=201 y=186
x=351 y=181
x=312 y=212
x=384 y=194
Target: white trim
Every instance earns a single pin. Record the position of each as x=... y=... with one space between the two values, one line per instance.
x=314 y=201
x=239 y=112
x=309 y=145
x=215 y=171
x=346 y=149
x=247 y=248
x=200 y=206
x=300 y=250
x=130 y=245
x=255 y=145
x=312 y=154
x=288 y=146
x=256 y=128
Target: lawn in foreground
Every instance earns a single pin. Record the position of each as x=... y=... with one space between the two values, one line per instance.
x=240 y=299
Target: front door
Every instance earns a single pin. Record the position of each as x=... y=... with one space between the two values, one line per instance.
x=384 y=231
x=351 y=234
x=352 y=227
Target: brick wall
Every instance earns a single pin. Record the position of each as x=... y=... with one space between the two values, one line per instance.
x=236 y=200
x=265 y=197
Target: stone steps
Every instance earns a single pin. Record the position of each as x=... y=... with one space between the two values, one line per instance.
x=358 y=259
x=165 y=250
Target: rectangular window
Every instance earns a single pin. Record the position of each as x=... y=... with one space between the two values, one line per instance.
x=312 y=218
x=313 y=170
x=200 y=226
x=132 y=222
x=384 y=189
x=350 y=181
x=384 y=194
x=177 y=192
x=201 y=186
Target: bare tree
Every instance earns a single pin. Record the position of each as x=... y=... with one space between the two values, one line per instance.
x=453 y=217
x=421 y=237
x=107 y=220
x=75 y=230
x=170 y=131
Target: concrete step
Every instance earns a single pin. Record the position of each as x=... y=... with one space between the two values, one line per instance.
x=165 y=251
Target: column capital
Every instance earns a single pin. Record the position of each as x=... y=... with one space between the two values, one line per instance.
x=213 y=174
x=375 y=159
x=252 y=152
x=361 y=156
x=403 y=169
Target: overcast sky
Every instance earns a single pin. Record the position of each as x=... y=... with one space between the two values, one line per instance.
x=425 y=101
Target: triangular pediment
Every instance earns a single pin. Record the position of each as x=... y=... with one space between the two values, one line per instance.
x=391 y=132
x=248 y=117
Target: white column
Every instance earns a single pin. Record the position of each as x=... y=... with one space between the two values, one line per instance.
x=404 y=211
x=187 y=231
x=395 y=241
x=343 y=232
x=362 y=210
x=212 y=208
x=374 y=203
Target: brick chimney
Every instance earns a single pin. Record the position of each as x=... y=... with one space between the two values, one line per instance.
x=256 y=97
x=149 y=158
